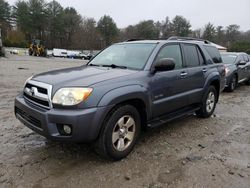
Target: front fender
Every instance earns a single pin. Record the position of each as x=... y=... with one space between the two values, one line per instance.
x=122 y=94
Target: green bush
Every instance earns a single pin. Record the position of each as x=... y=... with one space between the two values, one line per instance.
x=240 y=47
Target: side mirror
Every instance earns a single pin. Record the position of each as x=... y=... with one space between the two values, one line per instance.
x=165 y=64
x=241 y=63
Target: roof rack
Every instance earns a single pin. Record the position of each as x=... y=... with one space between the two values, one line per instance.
x=130 y=40
x=188 y=38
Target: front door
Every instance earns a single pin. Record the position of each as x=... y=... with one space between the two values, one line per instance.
x=242 y=69
x=169 y=88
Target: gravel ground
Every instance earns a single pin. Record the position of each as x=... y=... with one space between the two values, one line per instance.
x=190 y=152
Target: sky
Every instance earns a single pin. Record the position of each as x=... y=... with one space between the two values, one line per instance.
x=198 y=12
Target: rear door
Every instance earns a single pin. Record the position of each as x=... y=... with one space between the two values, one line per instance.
x=169 y=88
x=195 y=64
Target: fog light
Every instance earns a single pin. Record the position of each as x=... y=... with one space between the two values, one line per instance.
x=67 y=129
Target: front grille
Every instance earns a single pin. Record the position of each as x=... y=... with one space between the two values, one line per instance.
x=38 y=101
x=38 y=93
x=28 y=118
x=40 y=89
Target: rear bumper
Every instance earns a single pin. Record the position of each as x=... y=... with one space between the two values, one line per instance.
x=85 y=123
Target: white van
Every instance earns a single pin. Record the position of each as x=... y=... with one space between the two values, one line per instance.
x=59 y=52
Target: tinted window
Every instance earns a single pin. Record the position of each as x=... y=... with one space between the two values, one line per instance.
x=191 y=56
x=171 y=51
x=201 y=58
x=214 y=54
x=131 y=55
x=241 y=58
x=246 y=58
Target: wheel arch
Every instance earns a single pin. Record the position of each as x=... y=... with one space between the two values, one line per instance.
x=134 y=95
x=213 y=80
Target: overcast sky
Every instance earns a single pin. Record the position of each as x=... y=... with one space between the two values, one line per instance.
x=198 y=12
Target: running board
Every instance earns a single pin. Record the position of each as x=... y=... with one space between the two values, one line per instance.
x=172 y=116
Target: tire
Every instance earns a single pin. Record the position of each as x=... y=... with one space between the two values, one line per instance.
x=208 y=103
x=119 y=134
x=233 y=83
x=248 y=82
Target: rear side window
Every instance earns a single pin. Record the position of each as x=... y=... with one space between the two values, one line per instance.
x=214 y=54
x=171 y=51
x=191 y=55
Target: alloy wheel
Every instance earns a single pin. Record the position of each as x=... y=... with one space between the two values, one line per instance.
x=123 y=133
x=210 y=102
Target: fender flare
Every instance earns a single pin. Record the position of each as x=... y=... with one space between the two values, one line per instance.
x=125 y=93
x=211 y=78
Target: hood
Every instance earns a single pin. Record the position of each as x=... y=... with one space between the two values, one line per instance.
x=81 y=76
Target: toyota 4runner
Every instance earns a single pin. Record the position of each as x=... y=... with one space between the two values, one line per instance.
x=128 y=86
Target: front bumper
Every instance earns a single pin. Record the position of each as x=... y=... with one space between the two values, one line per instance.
x=228 y=80
x=85 y=123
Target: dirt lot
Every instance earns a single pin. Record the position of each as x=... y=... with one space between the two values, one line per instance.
x=190 y=152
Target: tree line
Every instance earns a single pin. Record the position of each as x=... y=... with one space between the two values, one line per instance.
x=60 y=27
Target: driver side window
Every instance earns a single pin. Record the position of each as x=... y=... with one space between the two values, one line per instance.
x=171 y=51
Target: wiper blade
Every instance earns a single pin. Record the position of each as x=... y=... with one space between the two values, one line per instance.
x=112 y=66
x=115 y=66
x=94 y=65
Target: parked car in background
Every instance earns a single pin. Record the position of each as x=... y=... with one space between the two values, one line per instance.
x=73 y=54
x=87 y=56
x=237 y=69
x=127 y=87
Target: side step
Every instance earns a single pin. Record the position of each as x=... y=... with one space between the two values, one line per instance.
x=172 y=116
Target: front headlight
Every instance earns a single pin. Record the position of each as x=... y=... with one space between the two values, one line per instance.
x=71 y=96
x=227 y=71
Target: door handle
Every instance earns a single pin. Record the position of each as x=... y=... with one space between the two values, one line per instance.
x=183 y=74
x=204 y=70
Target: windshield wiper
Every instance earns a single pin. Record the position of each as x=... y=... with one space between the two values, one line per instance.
x=115 y=66
x=112 y=66
x=94 y=65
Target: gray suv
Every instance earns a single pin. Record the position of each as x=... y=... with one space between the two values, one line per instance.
x=128 y=86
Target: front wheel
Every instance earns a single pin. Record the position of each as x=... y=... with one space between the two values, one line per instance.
x=120 y=133
x=232 y=84
x=248 y=82
x=208 y=103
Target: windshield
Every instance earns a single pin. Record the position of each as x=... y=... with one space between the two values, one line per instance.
x=133 y=56
x=229 y=58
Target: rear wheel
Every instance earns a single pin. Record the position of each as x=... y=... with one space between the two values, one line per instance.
x=120 y=133
x=208 y=103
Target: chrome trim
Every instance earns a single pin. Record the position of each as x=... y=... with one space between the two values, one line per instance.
x=36 y=94
x=242 y=80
